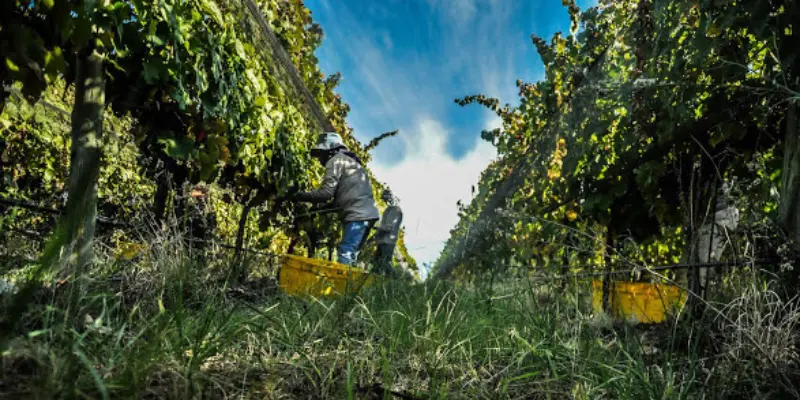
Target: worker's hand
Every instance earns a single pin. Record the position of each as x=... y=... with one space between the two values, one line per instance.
x=293 y=189
x=290 y=197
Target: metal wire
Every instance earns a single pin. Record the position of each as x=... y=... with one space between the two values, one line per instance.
x=114 y=224
x=45 y=210
x=672 y=267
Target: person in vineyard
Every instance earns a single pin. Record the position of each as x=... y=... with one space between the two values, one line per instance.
x=386 y=237
x=202 y=220
x=346 y=183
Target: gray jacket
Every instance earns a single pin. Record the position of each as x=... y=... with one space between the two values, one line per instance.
x=347 y=183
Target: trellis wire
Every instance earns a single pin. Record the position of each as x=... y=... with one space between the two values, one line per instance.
x=114 y=224
x=638 y=269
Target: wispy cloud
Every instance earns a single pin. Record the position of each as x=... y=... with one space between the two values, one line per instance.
x=388 y=87
x=460 y=12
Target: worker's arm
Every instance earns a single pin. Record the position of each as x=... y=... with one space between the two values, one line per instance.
x=326 y=208
x=325 y=192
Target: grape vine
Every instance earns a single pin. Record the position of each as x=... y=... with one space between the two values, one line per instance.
x=646 y=112
x=192 y=97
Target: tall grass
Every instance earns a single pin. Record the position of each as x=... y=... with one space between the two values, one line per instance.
x=168 y=326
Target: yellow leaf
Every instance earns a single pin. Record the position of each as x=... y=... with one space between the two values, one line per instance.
x=11 y=65
x=713 y=30
x=572 y=215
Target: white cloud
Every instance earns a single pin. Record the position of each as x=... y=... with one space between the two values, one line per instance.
x=429 y=182
x=462 y=11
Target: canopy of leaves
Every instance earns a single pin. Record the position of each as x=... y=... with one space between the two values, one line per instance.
x=201 y=95
x=646 y=109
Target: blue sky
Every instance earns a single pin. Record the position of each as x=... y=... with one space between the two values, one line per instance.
x=403 y=63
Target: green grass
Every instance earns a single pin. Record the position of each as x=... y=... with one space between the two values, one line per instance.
x=175 y=330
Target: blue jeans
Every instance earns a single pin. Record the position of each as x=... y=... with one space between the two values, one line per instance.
x=351 y=239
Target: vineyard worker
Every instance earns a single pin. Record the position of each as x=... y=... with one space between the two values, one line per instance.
x=386 y=237
x=346 y=183
x=202 y=219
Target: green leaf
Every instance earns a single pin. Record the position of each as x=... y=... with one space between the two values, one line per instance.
x=82 y=32
x=156 y=40
x=11 y=65
x=152 y=71
x=213 y=11
x=775 y=175
x=178 y=149
x=54 y=62
x=207 y=171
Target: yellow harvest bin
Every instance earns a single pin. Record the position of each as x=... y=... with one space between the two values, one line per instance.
x=639 y=302
x=301 y=276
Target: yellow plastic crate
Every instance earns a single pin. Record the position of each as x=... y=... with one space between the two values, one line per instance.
x=301 y=276
x=640 y=302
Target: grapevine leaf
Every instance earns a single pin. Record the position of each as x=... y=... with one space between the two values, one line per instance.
x=177 y=148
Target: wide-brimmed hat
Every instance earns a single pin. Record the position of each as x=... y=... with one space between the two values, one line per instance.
x=326 y=142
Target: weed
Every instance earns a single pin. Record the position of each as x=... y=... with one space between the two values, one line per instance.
x=168 y=327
